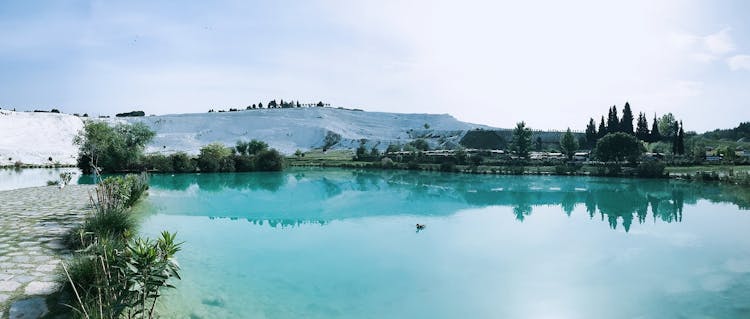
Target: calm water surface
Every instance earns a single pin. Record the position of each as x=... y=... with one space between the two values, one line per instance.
x=342 y=244
x=11 y=178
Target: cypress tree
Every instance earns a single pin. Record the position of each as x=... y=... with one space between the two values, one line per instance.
x=655 y=135
x=591 y=133
x=681 y=140
x=602 y=129
x=641 y=131
x=626 y=123
x=613 y=123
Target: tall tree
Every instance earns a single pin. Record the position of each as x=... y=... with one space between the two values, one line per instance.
x=568 y=144
x=626 y=123
x=602 y=129
x=667 y=126
x=641 y=130
x=613 y=123
x=655 y=134
x=591 y=133
x=675 y=129
x=681 y=140
x=521 y=142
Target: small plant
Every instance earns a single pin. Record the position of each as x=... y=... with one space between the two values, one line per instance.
x=65 y=178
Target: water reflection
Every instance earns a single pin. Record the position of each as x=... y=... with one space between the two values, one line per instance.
x=298 y=197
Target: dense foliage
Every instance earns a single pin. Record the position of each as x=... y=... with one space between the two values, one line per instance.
x=568 y=144
x=111 y=148
x=483 y=140
x=618 y=147
x=131 y=114
x=740 y=132
x=119 y=148
x=521 y=143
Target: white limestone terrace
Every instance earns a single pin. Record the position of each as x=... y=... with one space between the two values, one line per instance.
x=33 y=222
x=299 y=128
x=34 y=138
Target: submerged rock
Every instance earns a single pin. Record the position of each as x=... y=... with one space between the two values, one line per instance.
x=31 y=308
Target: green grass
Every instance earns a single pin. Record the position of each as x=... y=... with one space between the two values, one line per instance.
x=320 y=158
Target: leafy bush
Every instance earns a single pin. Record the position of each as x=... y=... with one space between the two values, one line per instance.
x=330 y=140
x=448 y=166
x=561 y=169
x=269 y=160
x=244 y=163
x=650 y=169
x=420 y=144
x=213 y=157
x=182 y=163
x=111 y=148
x=618 y=147
x=116 y=279
x=157 y=162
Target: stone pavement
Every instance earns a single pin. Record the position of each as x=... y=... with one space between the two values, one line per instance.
x=33 y=222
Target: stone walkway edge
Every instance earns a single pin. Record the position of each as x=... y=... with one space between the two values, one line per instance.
x=33 y=222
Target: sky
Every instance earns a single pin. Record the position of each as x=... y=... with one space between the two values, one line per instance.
x=552 y=64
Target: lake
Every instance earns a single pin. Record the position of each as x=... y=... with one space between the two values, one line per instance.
x=332 y=243
x=12 y=178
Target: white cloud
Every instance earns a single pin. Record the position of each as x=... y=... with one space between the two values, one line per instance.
x=706 y=48
x=739 y=62
x=720 y=42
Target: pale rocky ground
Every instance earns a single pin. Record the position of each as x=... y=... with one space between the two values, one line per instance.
x=33 y=222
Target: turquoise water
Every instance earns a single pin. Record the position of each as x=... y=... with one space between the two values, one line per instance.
x=343 y=244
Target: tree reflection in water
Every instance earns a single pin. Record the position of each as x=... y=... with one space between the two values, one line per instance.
x=318 y=196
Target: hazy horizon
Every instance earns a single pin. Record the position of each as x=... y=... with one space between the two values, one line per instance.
x=552 y=65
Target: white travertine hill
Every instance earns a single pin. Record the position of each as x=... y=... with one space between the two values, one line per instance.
x=299 y=128
x=33 y=138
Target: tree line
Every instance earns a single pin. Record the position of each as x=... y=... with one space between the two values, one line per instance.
x=120 y=148
x=276 y=105
x=663 y=129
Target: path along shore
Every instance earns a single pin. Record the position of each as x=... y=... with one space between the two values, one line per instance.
x=33 y=222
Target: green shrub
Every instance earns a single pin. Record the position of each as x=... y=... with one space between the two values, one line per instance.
x=213 y=157
x=618 y=147
x=122 y=279
x=157 y=162
x=269 y=160
x=650 y=169
x=244 y=163
x=182 y=163
x=561 y=170
x=111 y=148
x=447 y=166
x=614 y=169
